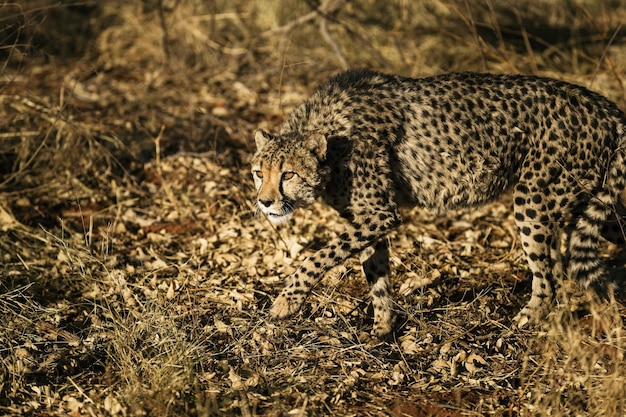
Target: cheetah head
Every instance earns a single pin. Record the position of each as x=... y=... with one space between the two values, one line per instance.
x=288 y=171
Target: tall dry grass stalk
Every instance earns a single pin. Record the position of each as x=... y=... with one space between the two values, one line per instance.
x=153 y=362
x=577 y=366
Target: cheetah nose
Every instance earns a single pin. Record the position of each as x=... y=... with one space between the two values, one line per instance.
x=266 y=203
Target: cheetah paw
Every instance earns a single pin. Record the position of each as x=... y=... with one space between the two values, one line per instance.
x=284 y=306
x=532 y=314
x=521 y=321
x=523 y=318
x=381 y=330
x=382 y=326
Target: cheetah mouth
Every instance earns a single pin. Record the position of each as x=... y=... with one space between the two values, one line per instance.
x=278 y=218
x=277 y=213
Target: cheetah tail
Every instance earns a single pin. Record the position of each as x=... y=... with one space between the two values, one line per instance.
x=603 y=216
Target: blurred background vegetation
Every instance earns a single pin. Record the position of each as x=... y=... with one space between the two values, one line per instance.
x=128 y=59
x=119 y=70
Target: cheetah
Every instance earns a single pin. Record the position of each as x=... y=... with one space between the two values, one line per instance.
x=368 y=143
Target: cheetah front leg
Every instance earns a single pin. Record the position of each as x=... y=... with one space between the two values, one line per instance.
x=375 y=262
x=358 y=238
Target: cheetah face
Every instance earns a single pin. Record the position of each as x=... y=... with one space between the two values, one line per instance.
x=287 y=173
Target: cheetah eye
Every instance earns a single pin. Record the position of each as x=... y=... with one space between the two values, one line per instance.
x=288 y=175
x=259 y=174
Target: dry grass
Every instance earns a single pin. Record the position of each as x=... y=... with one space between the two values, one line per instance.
x=135 y=278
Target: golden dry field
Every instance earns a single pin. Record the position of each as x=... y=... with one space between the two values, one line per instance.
x=136 y=279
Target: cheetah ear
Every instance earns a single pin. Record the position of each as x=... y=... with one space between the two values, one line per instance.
x=317 y=144
x=261 y=137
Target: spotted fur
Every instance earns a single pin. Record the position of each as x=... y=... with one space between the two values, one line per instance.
x=368 y=143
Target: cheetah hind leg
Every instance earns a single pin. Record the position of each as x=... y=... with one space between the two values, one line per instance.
x=544 y=285
x=540 y=240
x=584 y=264
x=375 y=262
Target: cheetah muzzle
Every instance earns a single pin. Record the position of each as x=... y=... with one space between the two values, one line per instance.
x=368 y=143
